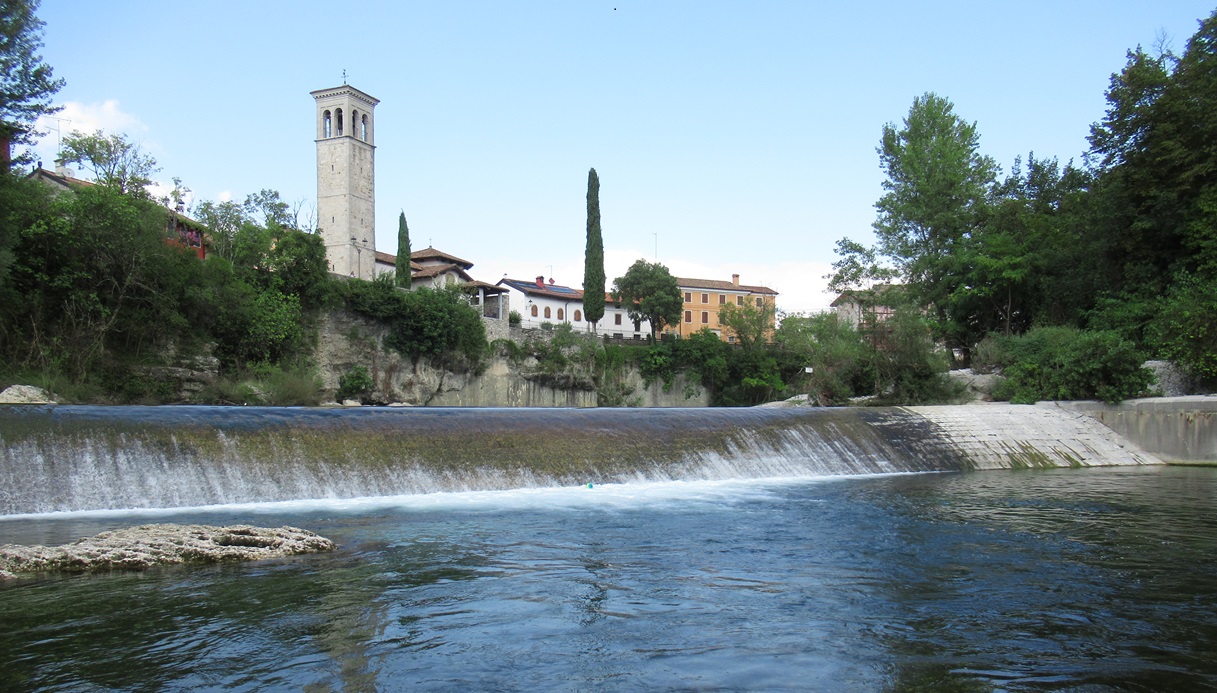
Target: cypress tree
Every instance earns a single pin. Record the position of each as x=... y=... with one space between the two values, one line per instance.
x=593 y=258
x=403 y=252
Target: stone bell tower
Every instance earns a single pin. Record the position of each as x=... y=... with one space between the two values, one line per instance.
x=346 y=179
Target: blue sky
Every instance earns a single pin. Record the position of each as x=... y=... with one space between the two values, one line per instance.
x=728 y=137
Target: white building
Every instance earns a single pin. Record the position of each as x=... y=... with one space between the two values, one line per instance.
x=539 y=302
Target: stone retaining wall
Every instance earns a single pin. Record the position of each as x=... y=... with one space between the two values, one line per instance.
x=1176 y=429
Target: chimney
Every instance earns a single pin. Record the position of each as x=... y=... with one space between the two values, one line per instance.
x=735 y=279
x=541 y=281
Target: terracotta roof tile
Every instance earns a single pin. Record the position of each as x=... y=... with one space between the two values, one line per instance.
x=433 y=254
x=718 y=285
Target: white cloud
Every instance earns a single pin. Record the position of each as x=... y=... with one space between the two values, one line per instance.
x=87 y=118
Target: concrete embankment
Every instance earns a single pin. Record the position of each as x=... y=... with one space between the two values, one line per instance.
x=1006 y=436
x=1178 y=430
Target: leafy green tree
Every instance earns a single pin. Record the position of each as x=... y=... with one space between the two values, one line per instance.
x=223 y=220
x=267 y=209
x=434 y=323
x=909 y=368
x=95 y=278
x=404 y=278
x=937 y=193
x=22 y=201
x=649 y=292
x=1028 y=261
x=26 y=83
x=749 y=324
x=593 y=258
x=297 y=267
x=839 y=357
x=113 y=160
x=1184 y=327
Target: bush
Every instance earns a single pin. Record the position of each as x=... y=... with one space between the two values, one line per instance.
x=841 y=361
x=296 y=386
x=425 y=322
x=355 y=384
x=910 y=368
x=1062 y=363
x=1184 y=329
x=514 y=318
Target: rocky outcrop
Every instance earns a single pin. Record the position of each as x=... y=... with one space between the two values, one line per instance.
x=347 y=340
x=137 y=548
x=26 y=394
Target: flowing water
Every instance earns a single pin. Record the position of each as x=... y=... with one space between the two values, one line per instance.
x=1089 y=580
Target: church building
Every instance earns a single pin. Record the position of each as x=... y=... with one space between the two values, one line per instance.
x=346 y=179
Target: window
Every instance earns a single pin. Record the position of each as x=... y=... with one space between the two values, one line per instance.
x=547 y=312
x=705 y=298
x=327 y=119
x=617 y=318
x=688 y=316
x=534 y=311
x=705 y=317
x=722 y=299
x=364 y=123
x=338 y=114
x=688 y=297
x=578 y=315
x=731 y=340
x=739 y=300
x=560 y=314
x=760 y=303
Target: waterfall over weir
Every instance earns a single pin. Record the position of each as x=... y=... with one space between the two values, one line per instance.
x=68 y=458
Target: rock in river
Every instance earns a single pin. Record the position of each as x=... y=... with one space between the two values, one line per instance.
x=136 y=548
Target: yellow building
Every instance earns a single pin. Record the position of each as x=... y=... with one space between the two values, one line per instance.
x=703 y=298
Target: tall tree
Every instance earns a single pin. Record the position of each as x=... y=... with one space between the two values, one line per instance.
x=113 y=161
x=593 y=257
x=649 y=292
x=937 y=192
x=749 y=324
x=26 y=83
x=223 y=220
x=404 y=278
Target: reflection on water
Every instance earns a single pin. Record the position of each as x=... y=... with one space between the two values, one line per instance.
x=1088 y=580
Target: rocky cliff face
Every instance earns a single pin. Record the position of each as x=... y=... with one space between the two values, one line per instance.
x=347 y=340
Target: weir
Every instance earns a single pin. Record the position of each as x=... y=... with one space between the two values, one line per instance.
x=71 y=458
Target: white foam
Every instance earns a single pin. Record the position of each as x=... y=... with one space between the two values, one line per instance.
x=625 y=496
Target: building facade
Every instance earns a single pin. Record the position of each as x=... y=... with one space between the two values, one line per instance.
x=539 y=301
x=346 y=179
x=703 y=298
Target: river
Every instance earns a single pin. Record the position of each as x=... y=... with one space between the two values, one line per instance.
x=1100 y=579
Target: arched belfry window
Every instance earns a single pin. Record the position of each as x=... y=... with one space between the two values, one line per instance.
x=338 y=113
x=363 y=123
x=326 y=118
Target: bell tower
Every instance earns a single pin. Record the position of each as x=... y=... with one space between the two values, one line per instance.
x=346 y=179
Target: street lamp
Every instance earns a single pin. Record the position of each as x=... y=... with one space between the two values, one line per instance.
x=358 y=256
